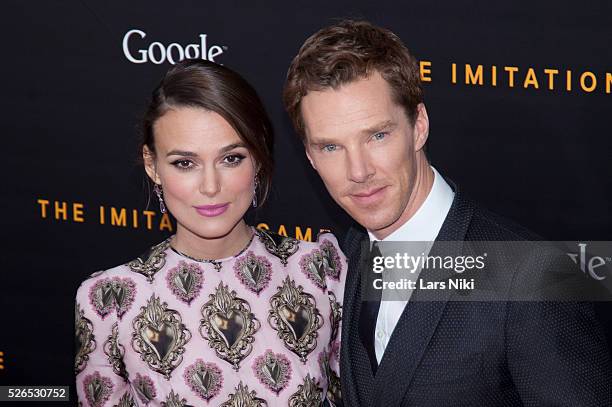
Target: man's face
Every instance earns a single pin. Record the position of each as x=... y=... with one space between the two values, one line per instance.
x=366 y=150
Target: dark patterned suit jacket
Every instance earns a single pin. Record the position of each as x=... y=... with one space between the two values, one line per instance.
x=449 y=353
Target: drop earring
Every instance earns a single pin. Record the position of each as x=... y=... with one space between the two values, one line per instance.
x=255 y=193
x=158 y=190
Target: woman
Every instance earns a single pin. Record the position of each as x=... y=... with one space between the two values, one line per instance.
x=219 y=313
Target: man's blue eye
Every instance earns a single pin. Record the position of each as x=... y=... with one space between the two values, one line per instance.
x=330 y=147
x=380 y=136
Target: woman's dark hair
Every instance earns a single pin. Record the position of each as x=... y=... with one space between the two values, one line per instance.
x=213 y=87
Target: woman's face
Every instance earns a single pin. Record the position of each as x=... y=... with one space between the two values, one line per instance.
x=205 y=170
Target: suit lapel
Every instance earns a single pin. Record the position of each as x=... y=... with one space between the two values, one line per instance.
x=355 y=373
x=419 y=319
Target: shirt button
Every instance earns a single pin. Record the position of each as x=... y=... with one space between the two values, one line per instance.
x=380 y=334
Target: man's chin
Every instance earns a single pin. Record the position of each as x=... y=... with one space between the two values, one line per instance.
x=373 y=225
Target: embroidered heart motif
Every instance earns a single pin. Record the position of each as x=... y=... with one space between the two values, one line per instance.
x=273 y=370
x=253 y=271
x=175 y=400
x=185 y=281
x=124 y=291
x=309 y=393
x=79 y=340
x=317 y=267
x=145 y=388
x=280 y=246
x=333 y=388
x=162 y=339
x=314 y=266
x=119 y=293
x=101 y=297
x=116 y=294
x=230 y=327
x=298 y=320
x=204 y=379
x=97 y=389
x=331 y=259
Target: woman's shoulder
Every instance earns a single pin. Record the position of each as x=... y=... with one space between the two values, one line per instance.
x=121 y=270
x=286 y=246
x=140 y=267
x=319 y=262
x=276 y=239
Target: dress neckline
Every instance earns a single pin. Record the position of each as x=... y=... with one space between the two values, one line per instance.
x=216 y=262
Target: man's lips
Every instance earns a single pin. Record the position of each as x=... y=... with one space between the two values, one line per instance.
x=212 y=210
x=369 y=196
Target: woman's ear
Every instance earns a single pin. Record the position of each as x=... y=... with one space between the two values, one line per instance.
x=149 y=163
x=256 y=168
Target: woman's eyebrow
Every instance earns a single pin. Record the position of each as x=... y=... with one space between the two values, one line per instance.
x=231 y=147
x=222 y=150
x=182 y=152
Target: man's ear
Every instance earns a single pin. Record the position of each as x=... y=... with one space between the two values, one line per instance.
x=149 y=164
x=421 y=127
x=306 y=149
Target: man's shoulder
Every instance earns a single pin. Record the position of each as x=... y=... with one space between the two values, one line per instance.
x=477 y=222
x=488 y=225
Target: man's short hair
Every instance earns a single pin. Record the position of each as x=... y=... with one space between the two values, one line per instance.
x=346 y=52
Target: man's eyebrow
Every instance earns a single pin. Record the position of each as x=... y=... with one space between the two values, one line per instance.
x=192 y=154
x=386 y=125
x=382 y=126
x=322 y=141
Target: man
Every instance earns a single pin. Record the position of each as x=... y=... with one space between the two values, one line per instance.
x=353 y=93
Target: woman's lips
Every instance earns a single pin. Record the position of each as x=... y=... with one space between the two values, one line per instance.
x=212 y=210
x=368 y=197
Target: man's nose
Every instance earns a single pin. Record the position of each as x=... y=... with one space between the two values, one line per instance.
x=360 y=168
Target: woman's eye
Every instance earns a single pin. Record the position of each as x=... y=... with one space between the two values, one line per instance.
x=329 y=147
x=182 y=164
x=233 y=159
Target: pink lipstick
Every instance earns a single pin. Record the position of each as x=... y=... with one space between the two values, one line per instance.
x=212 y=210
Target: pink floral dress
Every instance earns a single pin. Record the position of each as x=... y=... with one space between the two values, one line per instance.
x=261 y=328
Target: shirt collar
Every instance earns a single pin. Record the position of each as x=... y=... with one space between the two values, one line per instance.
x=426 y=223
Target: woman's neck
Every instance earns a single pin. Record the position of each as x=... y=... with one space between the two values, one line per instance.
x=193 y=245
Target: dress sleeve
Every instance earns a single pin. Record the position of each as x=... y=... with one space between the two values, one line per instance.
x=335 y=276
x=101 y=378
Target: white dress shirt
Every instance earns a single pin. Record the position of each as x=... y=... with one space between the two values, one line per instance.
x=423 y=226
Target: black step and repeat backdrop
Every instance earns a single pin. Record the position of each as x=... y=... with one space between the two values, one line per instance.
x=518 y=95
